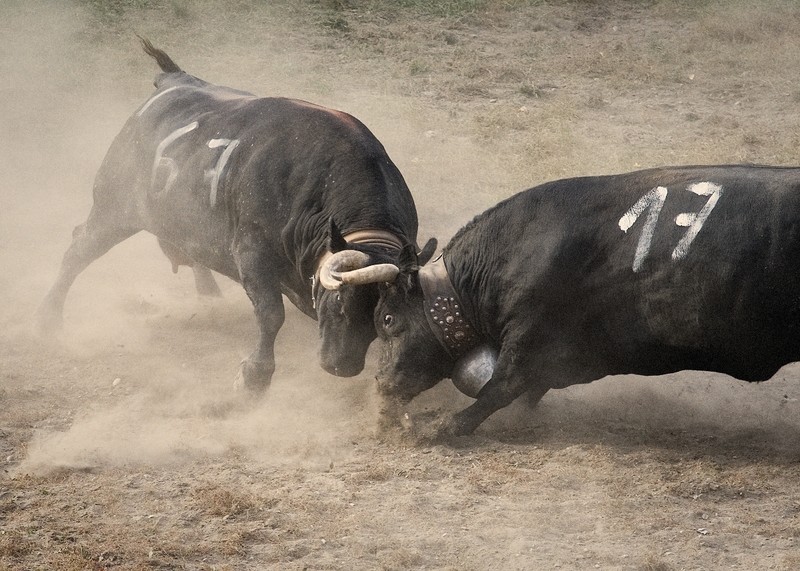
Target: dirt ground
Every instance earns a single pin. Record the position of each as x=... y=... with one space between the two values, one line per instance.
x=123 y=445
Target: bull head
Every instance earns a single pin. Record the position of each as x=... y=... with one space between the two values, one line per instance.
x=345 y=314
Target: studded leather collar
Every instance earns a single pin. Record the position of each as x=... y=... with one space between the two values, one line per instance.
x=444 y=311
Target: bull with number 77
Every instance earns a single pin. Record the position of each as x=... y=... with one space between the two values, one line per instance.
x=646 y=273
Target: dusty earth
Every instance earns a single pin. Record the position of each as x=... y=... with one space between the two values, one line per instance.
x=123 y=446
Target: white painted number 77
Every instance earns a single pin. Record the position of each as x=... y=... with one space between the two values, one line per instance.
x=652 y=202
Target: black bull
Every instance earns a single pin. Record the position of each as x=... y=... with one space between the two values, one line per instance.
x=260 y=190
x=644 y=273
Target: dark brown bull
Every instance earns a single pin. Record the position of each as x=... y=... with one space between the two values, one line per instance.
x=261 y=190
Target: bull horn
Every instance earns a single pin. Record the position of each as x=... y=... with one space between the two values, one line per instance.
x=330 y=271
x=350 y=267
x=377 y=273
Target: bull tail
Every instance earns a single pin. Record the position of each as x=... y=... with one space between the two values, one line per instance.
x=162 y=59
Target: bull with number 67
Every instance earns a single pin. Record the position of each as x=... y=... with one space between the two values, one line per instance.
x=281 y=195
x=646 y=273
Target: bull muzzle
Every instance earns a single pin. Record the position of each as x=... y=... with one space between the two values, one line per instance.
x=351 y=267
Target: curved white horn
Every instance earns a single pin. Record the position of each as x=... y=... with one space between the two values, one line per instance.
x=376 y=273
x=330 y=273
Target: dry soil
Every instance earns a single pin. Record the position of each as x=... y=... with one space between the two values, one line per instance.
x=123 y=447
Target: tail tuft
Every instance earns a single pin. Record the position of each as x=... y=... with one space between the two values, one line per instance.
x=162 y=59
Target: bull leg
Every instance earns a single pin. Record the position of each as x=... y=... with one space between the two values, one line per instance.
x=509 y=381
x=255 y=372
x=534 y=395
x=90 y=240
x=204 y=281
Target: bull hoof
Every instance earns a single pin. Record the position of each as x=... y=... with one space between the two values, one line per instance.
x=252 y=379
x=48 y=325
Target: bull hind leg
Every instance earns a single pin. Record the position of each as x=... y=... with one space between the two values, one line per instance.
x=204 y=281
x=90 y=240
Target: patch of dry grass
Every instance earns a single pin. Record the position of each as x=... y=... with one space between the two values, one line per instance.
x=14 y=544
x=400 y=558
x=655 y=563
x=791 y=561
x=216 y=500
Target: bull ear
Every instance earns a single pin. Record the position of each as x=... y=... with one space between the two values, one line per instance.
x=336 y=242
x=407 y=261
x=427 y=252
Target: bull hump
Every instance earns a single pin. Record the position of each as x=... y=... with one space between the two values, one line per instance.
x=345 y=118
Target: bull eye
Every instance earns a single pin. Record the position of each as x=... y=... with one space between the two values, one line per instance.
x=388 y=320
x=338 y=298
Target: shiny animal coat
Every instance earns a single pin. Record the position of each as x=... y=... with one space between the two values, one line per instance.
x=250 y=187
x=648 y=273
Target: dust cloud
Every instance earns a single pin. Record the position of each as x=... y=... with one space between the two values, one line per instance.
x=696 y=404
x=67 y=94
x=170 y=423
x=68 y=90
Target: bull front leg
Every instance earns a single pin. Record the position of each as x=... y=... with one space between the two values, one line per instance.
x=258 y=279
x=509 y=381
